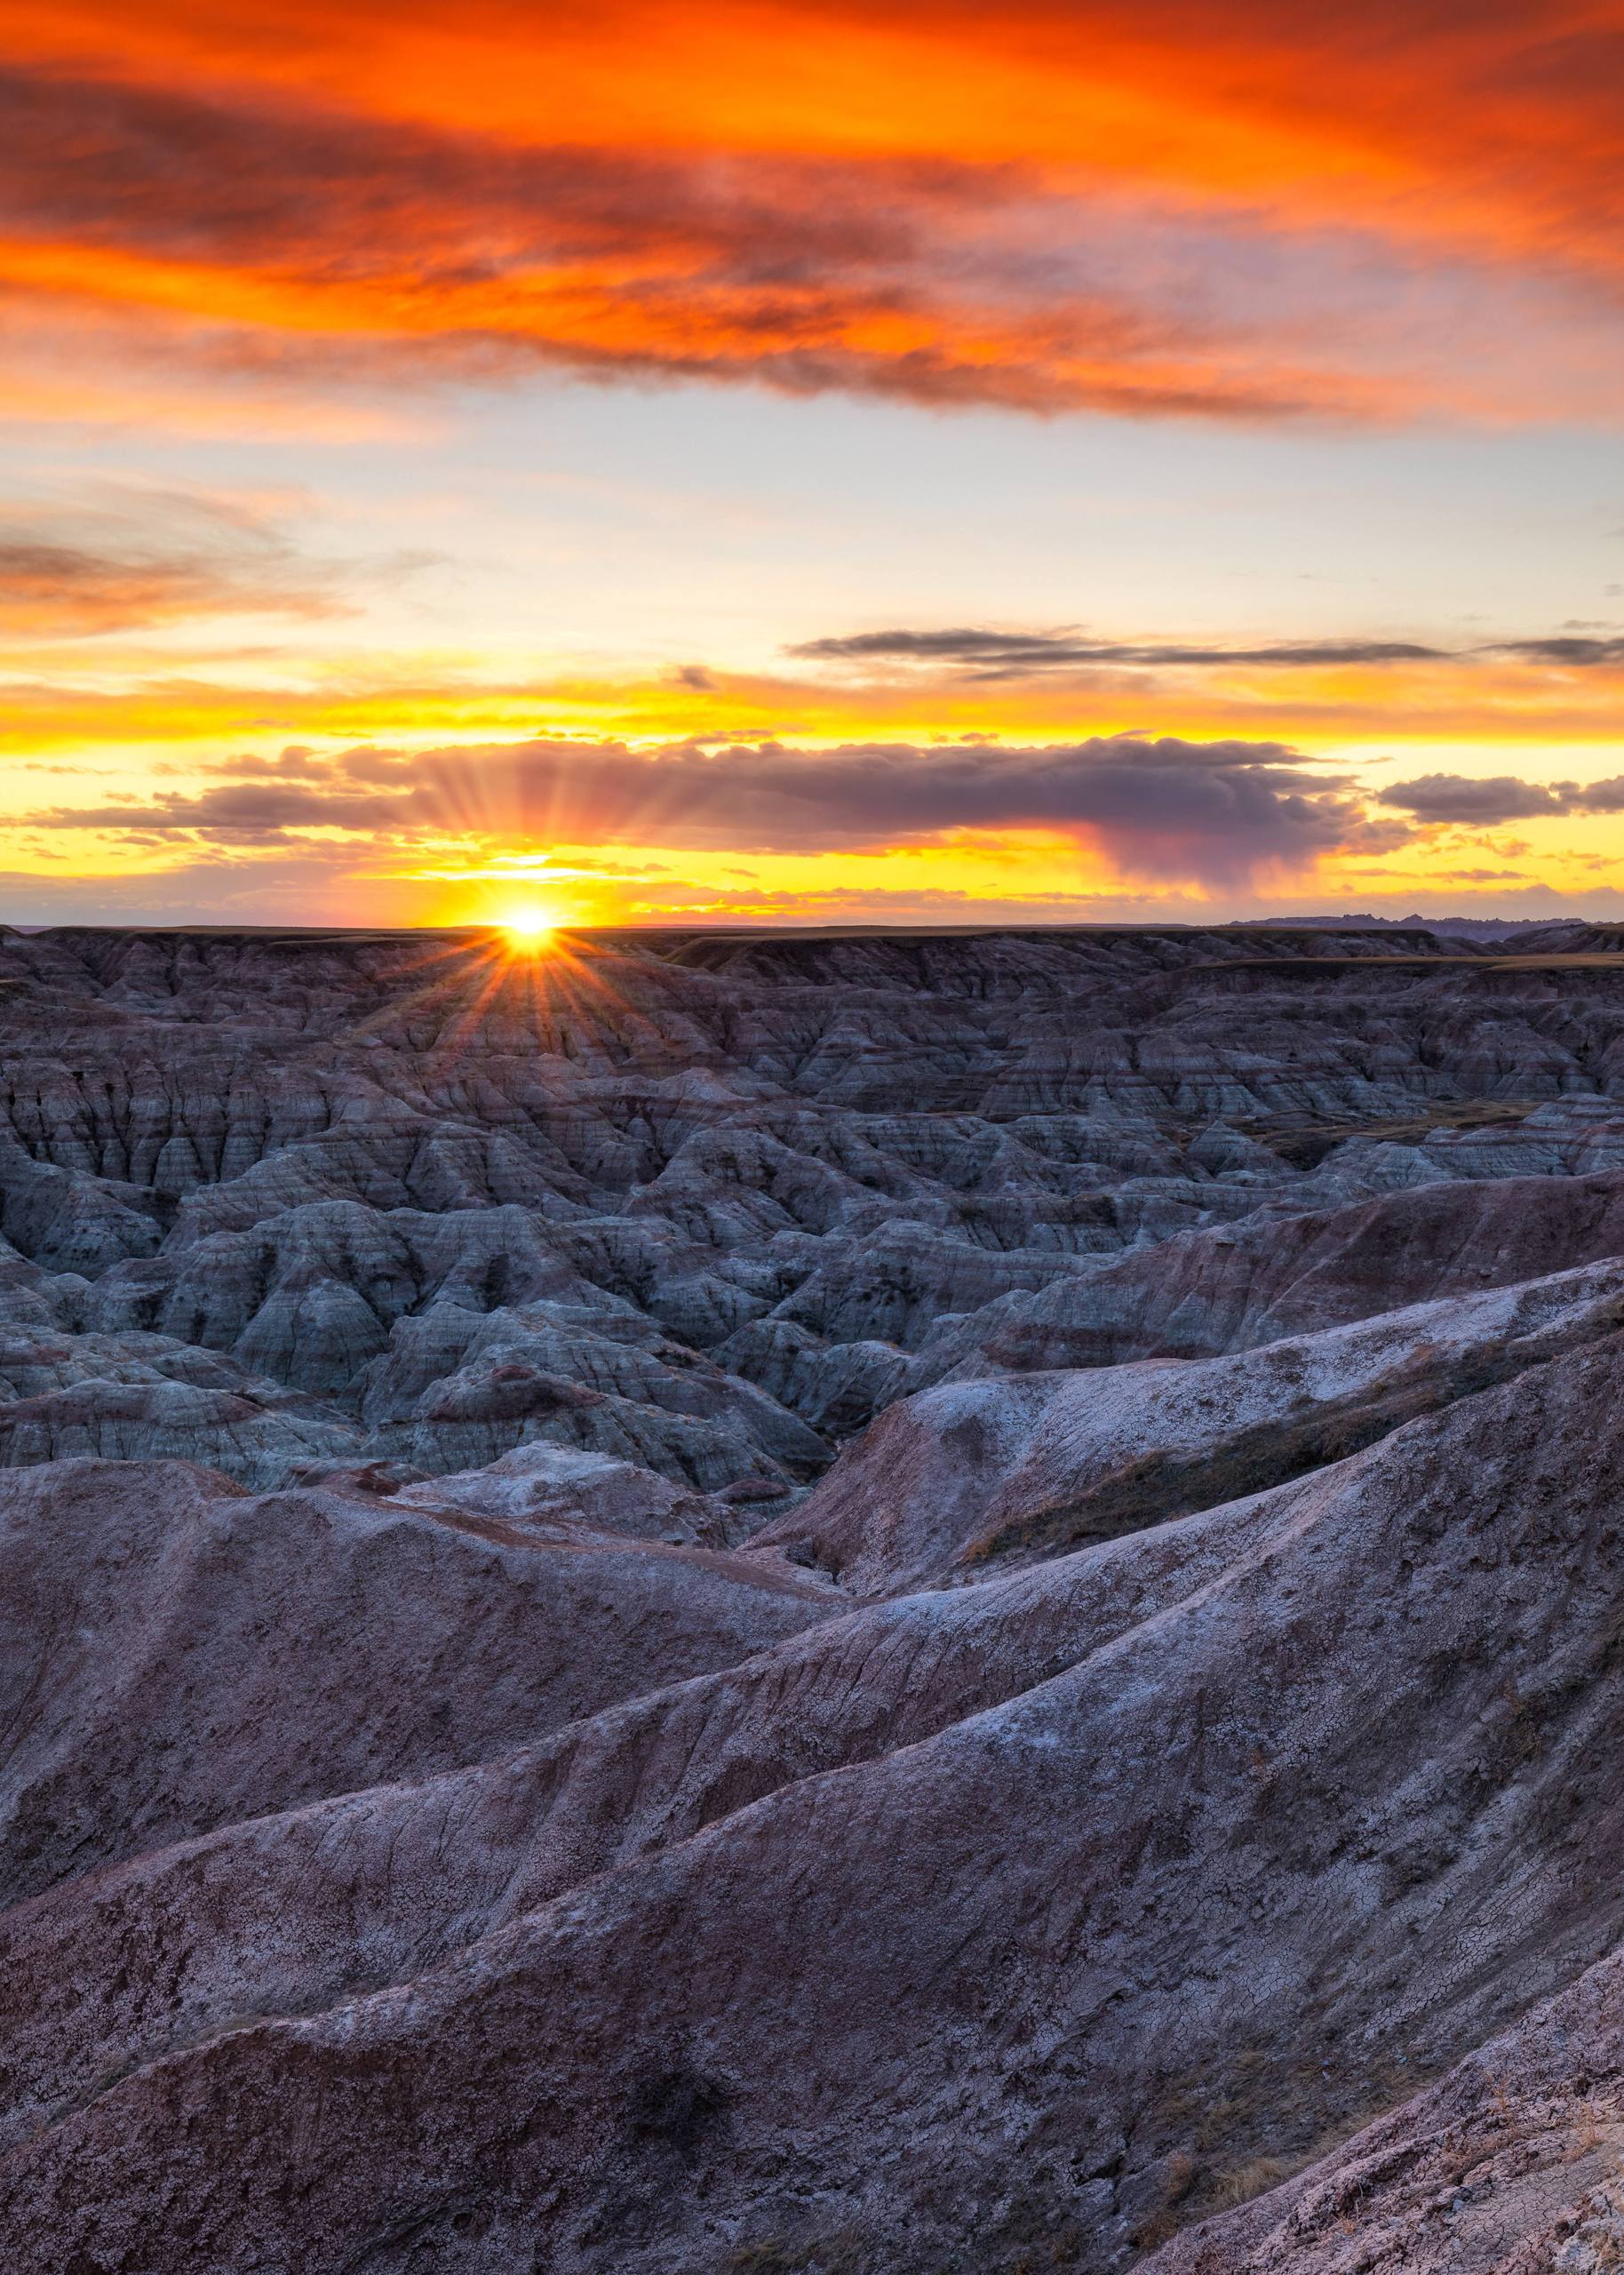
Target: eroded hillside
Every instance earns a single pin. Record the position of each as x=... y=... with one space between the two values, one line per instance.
x=929 y=1603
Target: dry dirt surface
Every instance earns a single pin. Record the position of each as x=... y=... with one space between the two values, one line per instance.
x=803 y=1605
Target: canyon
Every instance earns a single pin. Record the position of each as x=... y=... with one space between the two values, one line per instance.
x=949 y=1602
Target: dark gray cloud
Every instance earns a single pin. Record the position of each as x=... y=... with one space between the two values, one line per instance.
x=1471 y=798
x=1159 y=806
x=239 y=813
x=972 y=651
x=1581 y=651
x=1482 y=800
x=982 y=654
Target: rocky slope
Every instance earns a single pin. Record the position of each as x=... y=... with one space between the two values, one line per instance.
x=940 y=1603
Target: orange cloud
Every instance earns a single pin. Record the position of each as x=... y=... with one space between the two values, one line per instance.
x=1024 y=205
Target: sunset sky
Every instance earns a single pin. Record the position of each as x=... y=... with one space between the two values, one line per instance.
x=1056 y=460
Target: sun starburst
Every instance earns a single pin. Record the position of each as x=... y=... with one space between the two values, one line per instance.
x=528 y=930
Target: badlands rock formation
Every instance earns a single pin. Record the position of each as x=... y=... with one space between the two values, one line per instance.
x=923 y=1603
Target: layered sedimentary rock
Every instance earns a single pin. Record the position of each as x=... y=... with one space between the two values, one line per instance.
x=756 y=1191
x=811 y=1604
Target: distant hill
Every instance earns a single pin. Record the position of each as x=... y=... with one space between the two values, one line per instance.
x=1474 y=927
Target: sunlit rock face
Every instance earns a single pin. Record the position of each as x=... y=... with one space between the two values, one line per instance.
x=703 y=1603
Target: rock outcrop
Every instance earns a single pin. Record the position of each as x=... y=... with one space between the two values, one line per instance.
x=946 y=1484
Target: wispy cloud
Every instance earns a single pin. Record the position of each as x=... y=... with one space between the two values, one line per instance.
x=982 y=654
x=1567 y=650
x=118 y=558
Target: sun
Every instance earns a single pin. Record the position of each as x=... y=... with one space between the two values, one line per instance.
x=528 y=929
